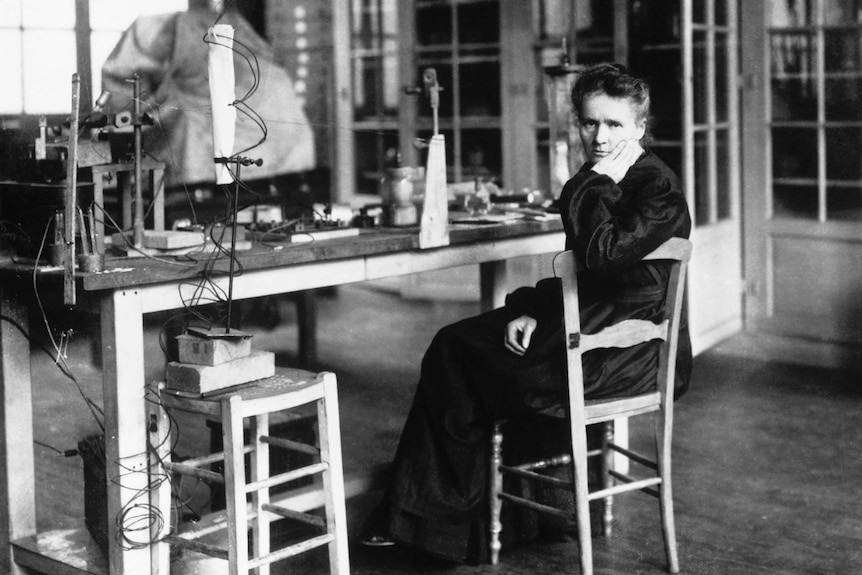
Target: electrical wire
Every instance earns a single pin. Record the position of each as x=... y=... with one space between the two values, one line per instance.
x=95 y=410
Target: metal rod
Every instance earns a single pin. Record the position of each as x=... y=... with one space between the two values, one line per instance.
x=138 y=222
x=69 y=297
x=233 y=243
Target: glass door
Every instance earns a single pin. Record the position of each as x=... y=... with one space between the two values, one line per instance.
x=688 y=52
x=805 y=250
x=711 y=168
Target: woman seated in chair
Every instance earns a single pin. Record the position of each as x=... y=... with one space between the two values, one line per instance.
x=623 y=204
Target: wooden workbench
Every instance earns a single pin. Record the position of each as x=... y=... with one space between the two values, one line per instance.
x=131 y=288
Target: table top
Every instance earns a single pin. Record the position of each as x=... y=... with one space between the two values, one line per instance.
x=123 y=272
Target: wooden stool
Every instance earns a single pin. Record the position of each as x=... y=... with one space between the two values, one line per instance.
x=288 y=389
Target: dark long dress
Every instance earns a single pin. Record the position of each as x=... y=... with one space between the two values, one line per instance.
x=436 y=496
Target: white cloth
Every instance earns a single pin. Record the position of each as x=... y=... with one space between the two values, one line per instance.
x=170 y=56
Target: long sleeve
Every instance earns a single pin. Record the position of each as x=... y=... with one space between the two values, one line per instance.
x=613 y=226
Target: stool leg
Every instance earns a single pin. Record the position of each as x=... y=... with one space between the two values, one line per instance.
x=333 y=477
x=260 y=470
x=234 y=467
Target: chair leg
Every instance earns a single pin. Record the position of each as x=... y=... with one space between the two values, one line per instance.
x=333 y=477
x=234 y=466
x=259 y=471
x=607 y=463
x=582 y=499
x=496 y=487
x=663 y=450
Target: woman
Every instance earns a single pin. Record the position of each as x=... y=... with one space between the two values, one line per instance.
x=621 y=205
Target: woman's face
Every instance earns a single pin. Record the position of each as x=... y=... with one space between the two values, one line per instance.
x=605 y=121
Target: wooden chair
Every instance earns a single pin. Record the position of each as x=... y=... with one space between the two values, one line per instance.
x=288 y=389
x=582 y=413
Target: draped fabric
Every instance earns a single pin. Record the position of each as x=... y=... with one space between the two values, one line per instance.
x=436 y=499
x=169 y=55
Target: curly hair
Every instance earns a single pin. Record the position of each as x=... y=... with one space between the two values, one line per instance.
x=615 y=81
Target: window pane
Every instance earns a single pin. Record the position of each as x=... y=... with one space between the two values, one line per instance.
x=843 y=96
x=698 y=11
x=482 y=155
x=702 y=212
x=654 y=22
x=798 y=202
x=49 y=14
x=721 y=12
x=480 y=89
x=10 y=47
x=844 y=153
x=792 y=54
x=794 y=153
x=841 y=12
x=721 y=88
x=373 y=86
x=375 y=151
x=842 y=51
x=794 y=98
x=114 y=15
x=479 y=23
x=433 y=25
x=724 y=191
x=790 y=13
x=844 y=204
x=662 y=69
x=702 y=78
x=49 y=62
x=11 y=10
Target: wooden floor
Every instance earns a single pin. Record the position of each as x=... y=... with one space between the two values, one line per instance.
x=767 y=456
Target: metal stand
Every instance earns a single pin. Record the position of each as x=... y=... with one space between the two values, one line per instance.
x=69 y=297
x=239 y=161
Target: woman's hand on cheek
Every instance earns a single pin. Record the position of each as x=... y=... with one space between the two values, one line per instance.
x=616 y=164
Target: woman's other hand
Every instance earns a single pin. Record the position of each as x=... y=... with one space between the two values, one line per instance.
x=616 y=164
x=519 y=332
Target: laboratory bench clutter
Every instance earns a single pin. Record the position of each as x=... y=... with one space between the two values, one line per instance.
x=199 y=271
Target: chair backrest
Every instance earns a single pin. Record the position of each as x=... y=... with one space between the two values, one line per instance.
x=627 y=333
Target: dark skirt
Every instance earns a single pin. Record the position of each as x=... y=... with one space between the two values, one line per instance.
x=436 y=500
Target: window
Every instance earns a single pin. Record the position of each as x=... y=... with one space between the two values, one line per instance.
x=376 y=89
x=815 y=124
x=39 y=42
